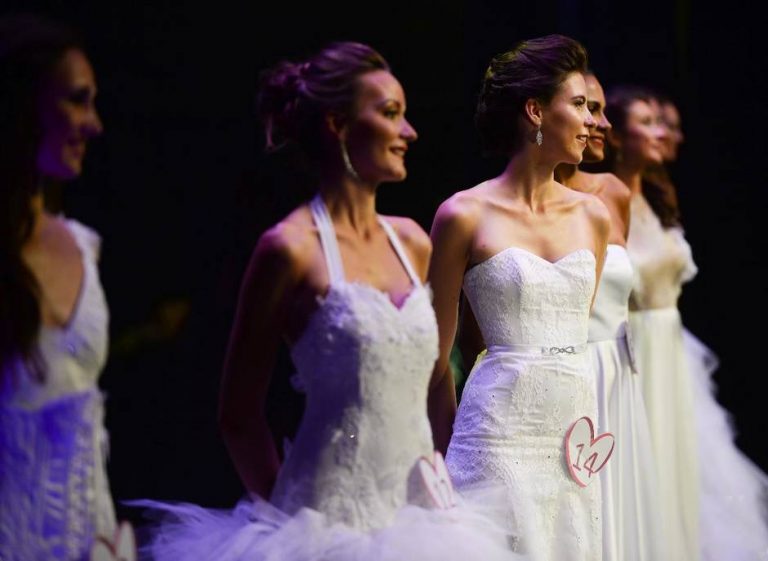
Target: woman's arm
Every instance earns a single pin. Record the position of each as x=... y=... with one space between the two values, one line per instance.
x=268 y=287
x=451 y=235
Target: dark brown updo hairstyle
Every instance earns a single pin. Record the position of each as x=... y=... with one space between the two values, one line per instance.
x=295 y=96
x=657 y=186
x=30 y=50
x=534 y=69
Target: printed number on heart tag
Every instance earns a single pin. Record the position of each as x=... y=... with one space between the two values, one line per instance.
x=586 y=454
x=121 y=548
x=434 y=474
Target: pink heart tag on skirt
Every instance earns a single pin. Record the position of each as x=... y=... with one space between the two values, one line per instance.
x=122 y=548
x=585 y=454
x=434 y=475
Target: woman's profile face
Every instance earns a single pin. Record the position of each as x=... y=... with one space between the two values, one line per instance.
x=671 y=118
x=566 y=121
x=378 y=134
x=644 y=134
x=595 y=150
x=68 y=116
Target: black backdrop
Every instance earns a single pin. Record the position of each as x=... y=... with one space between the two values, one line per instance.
x=179 y=188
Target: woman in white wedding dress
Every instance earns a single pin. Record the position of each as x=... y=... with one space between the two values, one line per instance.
x=631 y=528
x=527 y=252
x=344 y=287
x=54 y=494
x=711 y=498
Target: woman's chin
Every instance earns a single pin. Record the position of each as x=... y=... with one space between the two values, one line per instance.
x=575 y=158
x=397 y=175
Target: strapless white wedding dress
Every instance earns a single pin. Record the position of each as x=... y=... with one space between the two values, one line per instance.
x=520 y=399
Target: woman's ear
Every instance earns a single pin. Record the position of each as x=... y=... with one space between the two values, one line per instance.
x=533 y=112
x=336 y=124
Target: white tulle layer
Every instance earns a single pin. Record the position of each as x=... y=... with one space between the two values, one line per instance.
x=734 y=491
x=261 y=532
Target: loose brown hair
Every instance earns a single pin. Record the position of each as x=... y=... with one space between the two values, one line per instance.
x=657 y=186
x=30 y=49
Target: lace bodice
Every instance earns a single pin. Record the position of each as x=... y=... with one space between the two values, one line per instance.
x=521 y=298
x=365 y=366
x=54 y=494
x=521 y=397
x=608 y=319
x=661 y=258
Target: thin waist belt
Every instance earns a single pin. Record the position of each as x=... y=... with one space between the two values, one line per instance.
x=539 y=349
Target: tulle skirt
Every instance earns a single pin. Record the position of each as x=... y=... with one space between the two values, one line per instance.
x=631 y=530
x=259 y=531
x=734 y=491
x=712 y=498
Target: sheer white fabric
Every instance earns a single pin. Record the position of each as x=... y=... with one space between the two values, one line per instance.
x=348 y=490
x=661 y=259
x=734 y=491
x=631 y=530
x=519 y=401
x=662 y=262
x=712 y=498
x=54 y=493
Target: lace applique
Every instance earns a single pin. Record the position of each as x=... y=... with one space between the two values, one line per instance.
x=54 y=496
x=365 y=366
x=517 y=406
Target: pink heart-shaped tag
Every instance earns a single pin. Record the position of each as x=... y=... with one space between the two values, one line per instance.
x=585 y=454
x=122 y=548
x=434 y=475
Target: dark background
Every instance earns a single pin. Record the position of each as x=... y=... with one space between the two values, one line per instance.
x=180 y=190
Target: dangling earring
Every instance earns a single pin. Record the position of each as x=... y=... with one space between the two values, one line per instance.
x=539 y=136
x=347 y=163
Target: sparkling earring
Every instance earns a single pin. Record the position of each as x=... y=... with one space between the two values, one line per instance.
x=347 y=163
x=539 y=136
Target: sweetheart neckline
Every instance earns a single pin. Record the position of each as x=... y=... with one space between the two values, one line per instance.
x=381 y=292
x=378 y=292
x=554 y=263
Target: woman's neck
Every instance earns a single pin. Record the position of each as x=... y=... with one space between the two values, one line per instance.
x=350 y=203
x=528 y=179
x=631 y=175
x=39 y=214
x=565 y=173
